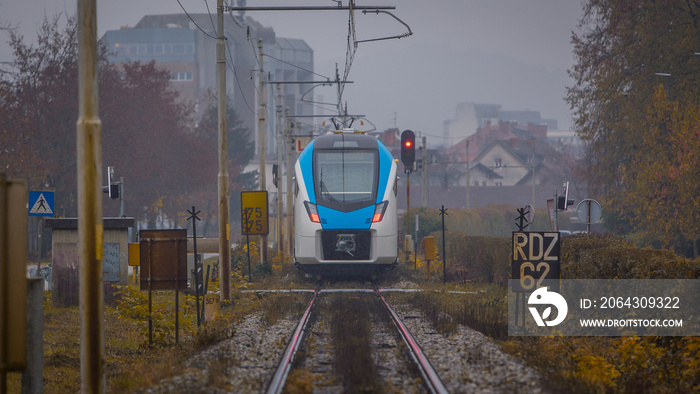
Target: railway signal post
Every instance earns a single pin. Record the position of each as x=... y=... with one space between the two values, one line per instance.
x=408 y=156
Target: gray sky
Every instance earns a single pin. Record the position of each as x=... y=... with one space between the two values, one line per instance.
x=509 y=52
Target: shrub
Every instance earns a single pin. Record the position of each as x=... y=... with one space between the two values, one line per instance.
x=611 y=257
x=133 y=305
x=481 y=259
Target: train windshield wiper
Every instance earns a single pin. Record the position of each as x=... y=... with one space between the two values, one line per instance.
x=326 y=194
x=324 y=190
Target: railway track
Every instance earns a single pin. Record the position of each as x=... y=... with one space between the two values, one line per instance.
x=347 y=307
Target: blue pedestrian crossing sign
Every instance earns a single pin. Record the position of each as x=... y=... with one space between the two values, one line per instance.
x=41 y=203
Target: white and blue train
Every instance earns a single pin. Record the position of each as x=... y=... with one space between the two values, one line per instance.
x=345 y=208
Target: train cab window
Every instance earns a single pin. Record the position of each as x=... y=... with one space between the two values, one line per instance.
x=345 y=177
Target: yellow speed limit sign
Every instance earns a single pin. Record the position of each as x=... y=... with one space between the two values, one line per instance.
x=254 y=213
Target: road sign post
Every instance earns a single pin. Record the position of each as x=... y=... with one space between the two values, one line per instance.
x=254 y=213
x=13 y=283
x=41 y=203
x=254 y=218
x=588 y=211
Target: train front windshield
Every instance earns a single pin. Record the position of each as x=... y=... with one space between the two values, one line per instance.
x=345 y=177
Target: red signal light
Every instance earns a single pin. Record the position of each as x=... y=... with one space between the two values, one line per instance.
x=408 y=149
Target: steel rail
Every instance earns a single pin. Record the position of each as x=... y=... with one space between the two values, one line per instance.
x=430 y=377
x=278 y=379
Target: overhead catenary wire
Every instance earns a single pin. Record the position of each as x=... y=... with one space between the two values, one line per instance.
x=195 y=23
x=211 y=18
x=239 y=24
x=230 y=64
x=232 y=67
x=268 y=123
x=352 y=44
x=349 y=54
x=296 y=66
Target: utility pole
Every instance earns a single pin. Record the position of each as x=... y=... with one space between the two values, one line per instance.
x=280 y=143
x=408 y=158
x=533 y=177
x=408 y=202
x=424 y=175
x=224 y=219
x=261 y=137
x=468 y=175
x=289 y=225
x=90 y=227
x=121 y=197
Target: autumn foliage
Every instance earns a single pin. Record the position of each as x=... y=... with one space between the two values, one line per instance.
x=148 y=134
x=636 y=100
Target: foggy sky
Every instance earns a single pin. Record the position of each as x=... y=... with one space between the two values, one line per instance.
x=509 y=52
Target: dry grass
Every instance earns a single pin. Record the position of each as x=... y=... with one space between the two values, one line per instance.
x=130 y=363
x=586 y=364
x=351 y=332
x=579 y=364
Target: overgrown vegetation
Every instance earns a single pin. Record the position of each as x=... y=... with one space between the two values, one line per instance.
x=611 y=257
x=636 y=106
x=351 y=330
x=572 y=364
x=277 y=272
x=488 y=221
x=484 y=308
x=131 y=364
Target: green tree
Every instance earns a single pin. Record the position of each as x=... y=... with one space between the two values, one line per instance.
x=635 y=99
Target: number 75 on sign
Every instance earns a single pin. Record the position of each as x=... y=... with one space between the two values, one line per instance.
x=254 y=217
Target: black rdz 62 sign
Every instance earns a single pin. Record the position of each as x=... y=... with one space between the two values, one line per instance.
x=536 y=260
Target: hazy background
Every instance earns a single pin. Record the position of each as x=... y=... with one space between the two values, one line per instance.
x=509 y=52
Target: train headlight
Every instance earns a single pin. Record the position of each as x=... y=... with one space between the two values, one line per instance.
x=312 y=211
x=379 y=211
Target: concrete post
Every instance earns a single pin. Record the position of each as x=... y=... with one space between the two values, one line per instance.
x=262 y=138
x=289 y=166
x=224 y=210
x=279 y=135
x=33 y=375
x=468 y=180
x=424 y=175
x=90 y=228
